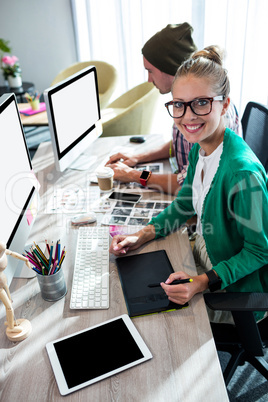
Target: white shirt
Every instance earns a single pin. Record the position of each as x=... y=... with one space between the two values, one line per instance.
x=208 y=165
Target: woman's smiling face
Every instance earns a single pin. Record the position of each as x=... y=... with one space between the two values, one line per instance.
x=207 y=130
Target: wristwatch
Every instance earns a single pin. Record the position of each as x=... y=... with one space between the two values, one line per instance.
x=144 y=177
x=214 y=281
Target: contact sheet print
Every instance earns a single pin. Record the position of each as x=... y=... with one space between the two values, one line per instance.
x=139 y=214
x=81 y=197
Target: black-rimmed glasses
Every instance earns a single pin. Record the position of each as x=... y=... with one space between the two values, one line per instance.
x=200 y=107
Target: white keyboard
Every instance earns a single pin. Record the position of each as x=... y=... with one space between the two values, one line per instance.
x=90 y=288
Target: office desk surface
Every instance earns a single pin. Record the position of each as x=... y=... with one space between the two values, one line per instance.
x=184 y=367
x=38 y=119
x=41 y=119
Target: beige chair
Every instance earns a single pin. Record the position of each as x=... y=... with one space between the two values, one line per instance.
x=106 y=73
x=132 y=113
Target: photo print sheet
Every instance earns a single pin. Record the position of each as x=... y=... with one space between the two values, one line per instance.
x=70 y=199
x=139 y=214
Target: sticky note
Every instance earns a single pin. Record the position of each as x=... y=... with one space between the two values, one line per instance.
x=29 y=216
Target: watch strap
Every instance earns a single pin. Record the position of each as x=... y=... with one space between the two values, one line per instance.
x=214 y=280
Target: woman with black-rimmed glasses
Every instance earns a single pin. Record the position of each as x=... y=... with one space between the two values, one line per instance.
x=225 y=187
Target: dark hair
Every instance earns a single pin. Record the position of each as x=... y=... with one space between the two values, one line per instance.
x=207 y=63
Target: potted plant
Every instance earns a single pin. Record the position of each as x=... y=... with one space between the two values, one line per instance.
x=10 y=66
x=12 y=71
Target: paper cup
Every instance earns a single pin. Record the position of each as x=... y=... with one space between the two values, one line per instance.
x=105 y=178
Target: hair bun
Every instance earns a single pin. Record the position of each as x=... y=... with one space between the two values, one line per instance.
x=207 y=63
x=213 y=53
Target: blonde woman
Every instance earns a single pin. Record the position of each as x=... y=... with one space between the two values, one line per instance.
x=225 y=187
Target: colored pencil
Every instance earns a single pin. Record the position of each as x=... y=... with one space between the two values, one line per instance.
x=43 y=265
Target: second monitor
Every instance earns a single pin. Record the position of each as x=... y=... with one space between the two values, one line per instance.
x=73 y=110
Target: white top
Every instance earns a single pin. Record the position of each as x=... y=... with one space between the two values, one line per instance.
x=208 y=165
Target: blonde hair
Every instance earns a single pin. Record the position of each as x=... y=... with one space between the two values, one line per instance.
x=207 y=63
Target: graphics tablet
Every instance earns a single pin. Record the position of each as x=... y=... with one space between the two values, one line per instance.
x=98 y=352
x=136 y=273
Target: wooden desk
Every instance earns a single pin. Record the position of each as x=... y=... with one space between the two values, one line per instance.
x=38 y=119
x=185 y=365
x=41 y=119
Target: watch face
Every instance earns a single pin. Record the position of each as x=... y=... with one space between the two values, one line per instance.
x=145 y=174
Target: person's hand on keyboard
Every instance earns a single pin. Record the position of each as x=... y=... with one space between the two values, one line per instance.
x=129 y=160
x=121 y=244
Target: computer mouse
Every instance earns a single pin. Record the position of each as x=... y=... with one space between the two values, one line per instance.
x=83 y=219
x=139 y=139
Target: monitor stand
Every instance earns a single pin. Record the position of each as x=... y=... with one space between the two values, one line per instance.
x=24 y=272
x=84 y=162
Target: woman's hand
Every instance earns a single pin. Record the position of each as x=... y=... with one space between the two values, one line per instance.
x=121 y=244
x=182 y=293
x=128 y=160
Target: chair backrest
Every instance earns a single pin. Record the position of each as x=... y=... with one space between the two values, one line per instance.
x=106 y=73
x=242 y=305
x=134 y=111
x=255 y=130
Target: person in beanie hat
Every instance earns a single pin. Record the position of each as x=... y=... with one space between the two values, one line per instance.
x=170 y=47
x=163 y=54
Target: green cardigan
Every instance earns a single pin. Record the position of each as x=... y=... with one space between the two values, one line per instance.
x=234 y=216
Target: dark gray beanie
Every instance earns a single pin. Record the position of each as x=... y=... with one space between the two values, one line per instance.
x=169 y=48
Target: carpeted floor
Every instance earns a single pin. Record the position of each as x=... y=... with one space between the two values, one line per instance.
x=246 y=385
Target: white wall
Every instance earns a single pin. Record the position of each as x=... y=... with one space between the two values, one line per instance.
x=41 y=35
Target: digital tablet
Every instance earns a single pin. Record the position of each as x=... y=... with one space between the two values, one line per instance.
x=90 y=355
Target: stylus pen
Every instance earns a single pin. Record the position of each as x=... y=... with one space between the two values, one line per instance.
x=175 y=282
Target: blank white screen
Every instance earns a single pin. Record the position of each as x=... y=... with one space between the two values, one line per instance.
x=75 y=109
x=15 y=170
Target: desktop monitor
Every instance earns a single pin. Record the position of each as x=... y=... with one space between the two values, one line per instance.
x=19 y=187
x=73 y=111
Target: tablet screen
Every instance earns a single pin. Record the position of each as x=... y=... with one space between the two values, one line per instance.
x=96 y=353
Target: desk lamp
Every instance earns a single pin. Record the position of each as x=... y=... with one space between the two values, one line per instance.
x=17 y=330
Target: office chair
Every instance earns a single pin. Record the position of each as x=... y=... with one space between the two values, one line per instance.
x=246 y=340
x=132 y=113
x=106 y=73
x=255 y=130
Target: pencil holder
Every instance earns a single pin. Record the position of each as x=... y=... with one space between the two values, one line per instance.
x=35 y=104
x=53 y=287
